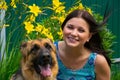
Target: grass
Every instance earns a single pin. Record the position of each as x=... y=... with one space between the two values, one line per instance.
x=115 y=71
x=10 y=60
x=116 y=76
x=9 y=64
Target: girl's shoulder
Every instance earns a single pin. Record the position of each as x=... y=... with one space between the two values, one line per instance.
x=100 y=59
x=101 y=63
x=102 y=68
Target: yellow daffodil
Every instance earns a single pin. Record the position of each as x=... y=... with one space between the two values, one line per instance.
x=29 y=27
x=3 y=5
x=50 y=36
x=58 y=6
x=61 y=19
x=4 y=26
x=60 y=9
x=56 y=3
x=45 y=31
x=13 y=4
x=60 y=33
x=81 y=6
x=35 y=9
x=39 y=28
x=89 y=10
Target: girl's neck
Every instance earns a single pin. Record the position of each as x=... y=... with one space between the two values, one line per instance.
x=73 y=52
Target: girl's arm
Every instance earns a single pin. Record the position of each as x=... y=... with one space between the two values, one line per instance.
x=102 y=68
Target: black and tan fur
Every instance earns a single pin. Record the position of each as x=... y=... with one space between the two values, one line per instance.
x=35 y=53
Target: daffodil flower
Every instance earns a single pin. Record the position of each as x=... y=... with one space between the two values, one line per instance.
x=39 y=28
x=60 y=33
x=89 y=10
x=81 y=6
x=29 y=27
x=3 y=5
x=35 y=9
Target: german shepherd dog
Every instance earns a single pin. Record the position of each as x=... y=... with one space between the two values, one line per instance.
x=38 y=61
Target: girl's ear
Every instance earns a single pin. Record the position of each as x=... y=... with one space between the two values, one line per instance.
x=90 y=35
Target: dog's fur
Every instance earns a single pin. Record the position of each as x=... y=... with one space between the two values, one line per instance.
x=38 y=61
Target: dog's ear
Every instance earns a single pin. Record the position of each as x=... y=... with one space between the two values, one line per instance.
x=50 y=40
x=52 y=44
x=23 y=48
x=24 y=44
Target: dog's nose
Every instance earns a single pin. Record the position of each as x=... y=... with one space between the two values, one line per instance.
x=45 y=59
x=45 y=56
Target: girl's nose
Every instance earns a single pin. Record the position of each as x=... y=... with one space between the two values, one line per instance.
x=74 y=32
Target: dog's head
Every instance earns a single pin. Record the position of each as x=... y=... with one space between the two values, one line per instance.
x=39 y=54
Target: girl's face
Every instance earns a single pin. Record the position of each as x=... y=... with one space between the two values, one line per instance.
x=76 y=32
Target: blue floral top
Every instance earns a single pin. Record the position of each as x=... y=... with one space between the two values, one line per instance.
x=85 y=73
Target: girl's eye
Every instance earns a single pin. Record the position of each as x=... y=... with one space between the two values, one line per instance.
x=70 y=27
x=81 y=30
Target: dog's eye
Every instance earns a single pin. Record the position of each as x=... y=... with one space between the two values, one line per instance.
x=48 y=46
x=35 y=47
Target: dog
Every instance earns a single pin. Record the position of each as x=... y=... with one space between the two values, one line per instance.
x=38 y=61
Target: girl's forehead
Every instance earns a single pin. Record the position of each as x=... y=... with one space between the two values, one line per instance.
x=78 y=22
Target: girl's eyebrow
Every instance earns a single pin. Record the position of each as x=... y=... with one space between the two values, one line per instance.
x=73 y=25
x=69 y=24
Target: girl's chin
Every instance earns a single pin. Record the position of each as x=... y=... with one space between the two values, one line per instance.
x=72 y=44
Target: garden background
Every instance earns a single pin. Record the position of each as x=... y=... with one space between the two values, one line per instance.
x=22 y=20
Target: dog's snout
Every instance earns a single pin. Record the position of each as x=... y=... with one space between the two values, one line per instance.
x=45 y=56
x=45 y=59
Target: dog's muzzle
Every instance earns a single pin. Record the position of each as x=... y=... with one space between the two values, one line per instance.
x=45 y=59
x=44 y=63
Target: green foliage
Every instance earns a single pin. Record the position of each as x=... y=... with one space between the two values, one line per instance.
x=108 y=38
x=115 y=76
x=53 y=26
x=10 y=61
